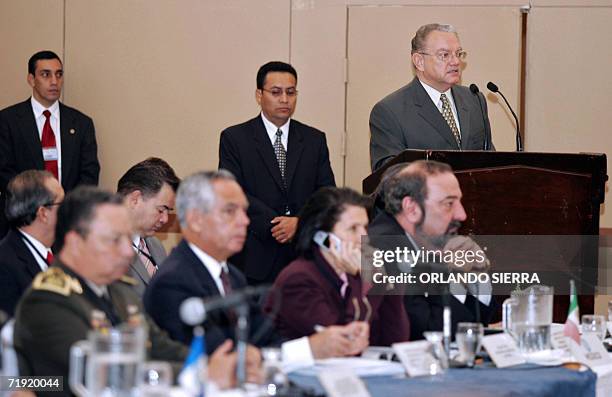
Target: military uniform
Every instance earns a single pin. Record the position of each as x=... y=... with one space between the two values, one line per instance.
x=59 y=309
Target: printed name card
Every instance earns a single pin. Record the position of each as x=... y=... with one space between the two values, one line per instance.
x=341 y=383
x=558 y=340
x=591 y=351
x=503 y=350
x=416 y=357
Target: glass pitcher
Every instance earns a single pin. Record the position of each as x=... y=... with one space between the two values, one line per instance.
x=111 y=360
x=527 y=317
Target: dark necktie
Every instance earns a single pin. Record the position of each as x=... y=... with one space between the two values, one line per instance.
x=281 y=154
x=225 y=281
x=47 y=141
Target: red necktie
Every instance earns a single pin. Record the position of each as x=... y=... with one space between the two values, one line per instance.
x=49 y=258
x=48 y=142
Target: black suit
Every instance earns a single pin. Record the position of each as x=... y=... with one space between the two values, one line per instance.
x=182 y=275
x=246 y=151
x=18 y=267
x=20 y=147
x=425 y=309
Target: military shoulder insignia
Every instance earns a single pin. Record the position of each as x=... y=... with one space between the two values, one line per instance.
x=55 y=280
x=128 y=280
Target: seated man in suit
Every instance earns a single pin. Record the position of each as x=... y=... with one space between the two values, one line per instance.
x=86 y=289
x=148 y=189
x=42 y=133
x=212 y=210
x=433 y=111
x=423 y=211
x=25 y=251
x=279 y=162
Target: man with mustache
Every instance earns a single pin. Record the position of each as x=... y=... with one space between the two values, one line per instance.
x=42 y=133
x=279 y=162
x=423 y=212
x=433 y=111
x=148 y=189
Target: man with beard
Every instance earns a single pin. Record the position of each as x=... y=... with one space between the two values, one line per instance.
x=423 y=212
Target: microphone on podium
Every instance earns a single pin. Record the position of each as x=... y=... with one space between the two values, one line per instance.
x=519 y=142
x=487 y=138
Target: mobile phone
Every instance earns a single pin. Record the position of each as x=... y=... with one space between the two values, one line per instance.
x=324 y=239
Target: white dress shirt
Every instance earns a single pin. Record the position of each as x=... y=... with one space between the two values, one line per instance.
x=296 y=353
x=37 y=249
x=271 y=129
x=213 y=266
x=38 y=110
x=435 y=98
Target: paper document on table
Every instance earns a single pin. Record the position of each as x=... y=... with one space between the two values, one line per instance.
x=359 y=366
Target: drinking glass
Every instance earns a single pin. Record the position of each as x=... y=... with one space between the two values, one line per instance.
x=592 y=323
x=436 y=339
x=275 y=380
x=469 y=339
x=155 y=379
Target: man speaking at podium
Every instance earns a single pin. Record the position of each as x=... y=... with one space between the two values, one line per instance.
x=433 y=111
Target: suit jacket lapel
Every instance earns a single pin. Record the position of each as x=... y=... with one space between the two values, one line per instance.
x=430 y=113
x=24 y=254
x=266 y=151
x=29 y=131
x=68 y=149
x=295 y=145
x=464 y=117
x=140 y=269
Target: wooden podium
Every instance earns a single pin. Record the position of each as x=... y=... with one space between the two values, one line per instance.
x=526 y=194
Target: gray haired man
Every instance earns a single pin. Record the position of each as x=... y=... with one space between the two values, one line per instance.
x=433 y=111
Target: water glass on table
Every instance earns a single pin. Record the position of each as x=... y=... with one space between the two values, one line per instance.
x=469 y=340
x=155 y=379
x=593 y=323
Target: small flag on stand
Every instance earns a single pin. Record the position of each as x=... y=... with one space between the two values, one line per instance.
x=573 y=319
x=191 y=377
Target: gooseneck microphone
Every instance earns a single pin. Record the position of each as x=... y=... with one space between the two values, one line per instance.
x=519 y=142
x=487 y=138
x=195 y=310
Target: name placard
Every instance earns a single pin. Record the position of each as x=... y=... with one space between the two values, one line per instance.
x=503 y=350
x=591 y=351
x=341 y=383
x=416 y=357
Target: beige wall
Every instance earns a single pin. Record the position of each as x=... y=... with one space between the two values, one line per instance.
x=164 y=78
x=26 y=27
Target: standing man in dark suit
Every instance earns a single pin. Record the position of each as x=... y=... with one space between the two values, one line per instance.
x=31 y=208
x=433 y=111
x=148 y=189
x=279 y=162
x=423 y=211
x=42 y=133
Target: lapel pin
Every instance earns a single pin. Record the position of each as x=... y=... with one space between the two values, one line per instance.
x=72 y=131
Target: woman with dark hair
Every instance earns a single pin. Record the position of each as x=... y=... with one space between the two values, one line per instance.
x=323 y=287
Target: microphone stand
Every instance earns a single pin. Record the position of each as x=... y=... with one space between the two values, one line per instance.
x=242 y=335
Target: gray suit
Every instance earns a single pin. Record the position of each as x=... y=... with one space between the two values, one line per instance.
x=137 y=268
x=408 y=119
